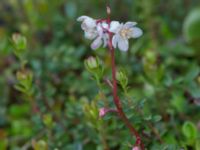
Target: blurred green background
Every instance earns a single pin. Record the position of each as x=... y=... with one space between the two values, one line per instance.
x=162 y=66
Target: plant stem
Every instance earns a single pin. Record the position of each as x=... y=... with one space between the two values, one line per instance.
x=117 y=100
x=115 y=97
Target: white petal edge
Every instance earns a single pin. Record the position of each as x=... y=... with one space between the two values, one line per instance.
x=82 y=18
x=130 y=24
x=137 y=32
x=123 y=45
x=114 y=25
x=115 y=40
x=96 y=43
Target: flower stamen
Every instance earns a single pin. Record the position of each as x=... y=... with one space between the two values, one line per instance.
x=125 y=33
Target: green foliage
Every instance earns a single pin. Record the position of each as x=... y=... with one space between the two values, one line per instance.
x=47 y=97
x=40 y=145
x=20 y=43
x=190 y=132
x=17 y=111
x=122 y=78
x=24 y=84
x=191 y=26
x=197 y=146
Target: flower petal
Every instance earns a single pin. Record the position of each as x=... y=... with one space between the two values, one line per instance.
x=90 y=23
x=90 y=35
x=137 y=32
x=115 y=40
x=130 y=24
x=123 y=44
x=114 y=25
x=99 y=30
x=96 y=43
x=105 y=40
x=84 y=26
x=82 y=18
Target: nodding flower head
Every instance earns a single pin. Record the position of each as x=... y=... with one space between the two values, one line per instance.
x=99 y=30
x=89 y=27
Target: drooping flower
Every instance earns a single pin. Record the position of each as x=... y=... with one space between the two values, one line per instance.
x=94 y=30
x=123 y=32
x=89 y=27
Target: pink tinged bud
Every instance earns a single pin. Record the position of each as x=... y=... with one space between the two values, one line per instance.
x=103 y=111
x=136 y=148
x=108 y=10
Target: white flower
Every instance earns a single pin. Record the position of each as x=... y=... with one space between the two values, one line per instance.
x=102 y=37
x=99 y=30
x=123 y=32
x=89 y=26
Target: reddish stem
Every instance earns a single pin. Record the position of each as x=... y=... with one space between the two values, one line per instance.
x=116 y=98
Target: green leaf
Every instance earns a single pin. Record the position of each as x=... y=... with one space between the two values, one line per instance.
x=191 y=26
x=197 y=144
x=189 y=130
x=156 y=118
x=40 y=145
x=18 y=111
x=3 y=144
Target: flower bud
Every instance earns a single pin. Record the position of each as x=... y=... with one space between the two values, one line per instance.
x=103 y=111
x=122 y=78
x=92 y=64
x=24 y=75
x=19 y=41
x=48 y=120
x=135 y=148
x=41 y=144
x=108 y=10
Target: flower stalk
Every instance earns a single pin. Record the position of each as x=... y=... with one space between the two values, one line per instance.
x=115 y=96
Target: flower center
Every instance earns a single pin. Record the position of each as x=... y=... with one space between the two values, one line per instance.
x=125 y=33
